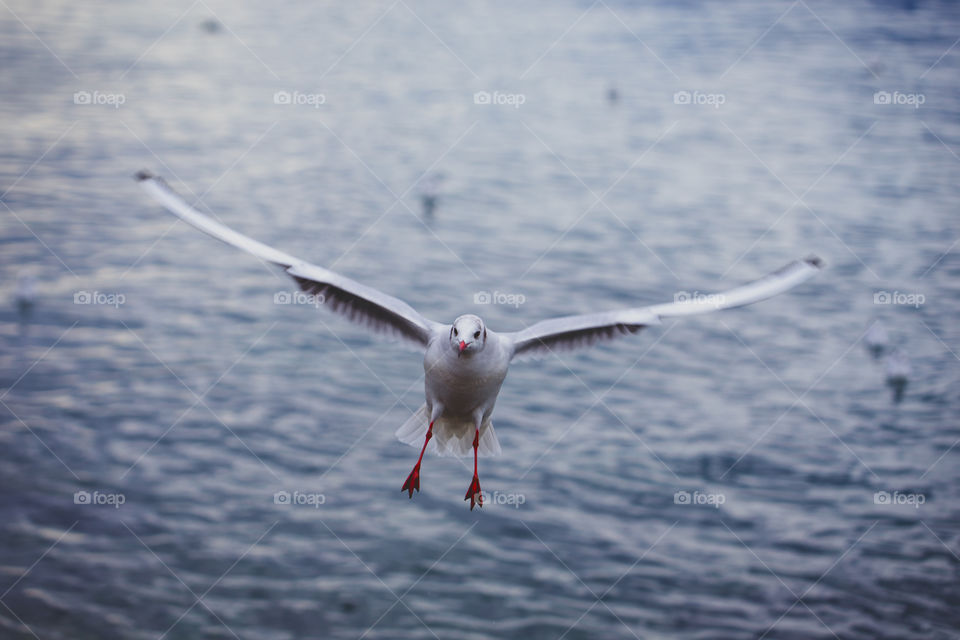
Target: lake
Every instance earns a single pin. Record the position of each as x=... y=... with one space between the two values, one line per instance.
x=187 y=453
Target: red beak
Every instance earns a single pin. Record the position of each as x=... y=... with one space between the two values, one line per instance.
x=463 y=345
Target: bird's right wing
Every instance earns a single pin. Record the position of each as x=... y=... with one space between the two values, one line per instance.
x=359 y=303
x=570 y=332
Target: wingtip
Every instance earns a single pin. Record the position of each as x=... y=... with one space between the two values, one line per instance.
x=142 y=175
x=815 y=261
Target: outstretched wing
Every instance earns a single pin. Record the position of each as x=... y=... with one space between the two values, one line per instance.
x=570 y=332
x=360 y=303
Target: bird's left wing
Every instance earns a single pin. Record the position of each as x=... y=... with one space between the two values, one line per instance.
x=359 y=303
x=570 y=332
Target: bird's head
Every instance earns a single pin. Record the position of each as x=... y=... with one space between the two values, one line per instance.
x=468 y=335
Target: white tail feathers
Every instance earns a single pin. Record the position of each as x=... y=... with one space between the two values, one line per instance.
x=450 y=437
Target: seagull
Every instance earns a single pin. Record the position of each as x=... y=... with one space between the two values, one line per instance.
x=897 y=370
x=465 y=363
x=26 y=292
x=430 y=193
x=876 y=339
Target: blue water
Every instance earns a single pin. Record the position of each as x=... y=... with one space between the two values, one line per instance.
x=187 y=404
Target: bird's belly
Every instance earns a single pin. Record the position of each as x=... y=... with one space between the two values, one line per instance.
x=461 y=389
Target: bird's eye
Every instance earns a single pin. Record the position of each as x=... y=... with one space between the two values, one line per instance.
x=455 y=332
x=476 y=335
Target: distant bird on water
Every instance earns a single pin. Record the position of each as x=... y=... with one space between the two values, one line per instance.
x=430 y=193
x=876 y=339
x=897 y=370
x=211 y=25
x=465 y=362
x=26 y=292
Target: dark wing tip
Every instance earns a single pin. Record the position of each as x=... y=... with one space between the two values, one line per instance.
x=142 y=175
x=815 y=261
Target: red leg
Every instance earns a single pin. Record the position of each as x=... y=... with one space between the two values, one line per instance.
x=413 y=480
x=473 y=491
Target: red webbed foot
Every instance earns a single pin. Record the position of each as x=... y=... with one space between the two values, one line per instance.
x=474 y=494
x=413 y=481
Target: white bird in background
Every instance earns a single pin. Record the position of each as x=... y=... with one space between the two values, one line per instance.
x=26 y=292
x=465 y=363
x=876 y=339
x=897 y=370
x=430 y=193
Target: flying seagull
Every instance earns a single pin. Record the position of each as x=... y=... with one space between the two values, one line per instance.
x=465 y=363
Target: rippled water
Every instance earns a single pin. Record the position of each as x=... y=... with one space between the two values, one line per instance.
x=197 y=399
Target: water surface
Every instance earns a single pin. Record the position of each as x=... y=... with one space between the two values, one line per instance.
x=198 y=399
